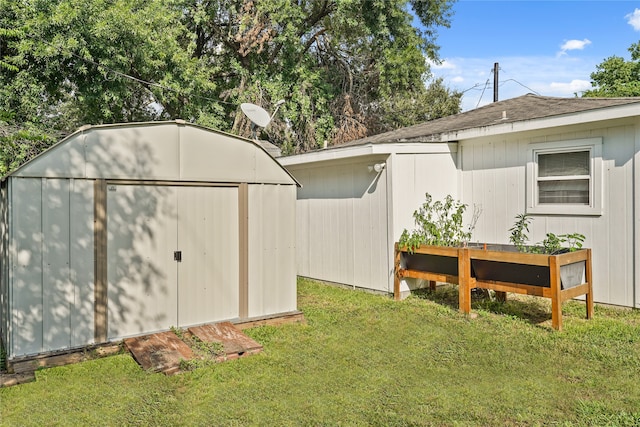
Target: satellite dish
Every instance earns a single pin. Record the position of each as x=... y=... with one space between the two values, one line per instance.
x=256 y=114
x=259 y=116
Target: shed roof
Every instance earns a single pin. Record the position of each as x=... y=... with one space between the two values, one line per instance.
x=163 y=151
x=523 y=108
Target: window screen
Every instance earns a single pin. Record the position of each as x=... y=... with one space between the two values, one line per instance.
x=563 y=178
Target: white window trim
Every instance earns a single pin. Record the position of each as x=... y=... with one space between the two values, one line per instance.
x=594 y=146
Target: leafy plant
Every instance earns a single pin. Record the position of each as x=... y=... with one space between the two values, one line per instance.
x=518 y=236
x=3 y=358
x=552 y=243
x=439 y=223
x=206 y=352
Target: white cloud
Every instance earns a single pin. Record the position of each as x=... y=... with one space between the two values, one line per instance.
x=545 y=75
x=575 y=86
x=573 y=45
x=444 y=65
x=633 y=19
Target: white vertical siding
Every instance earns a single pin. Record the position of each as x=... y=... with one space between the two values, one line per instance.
x=272 y=272
x=414 y=175
x=26 y=303
x=208 y=288
x=81 y=262
x=141 y=272
x=4 y=265
x=342 y=221
x=57 y=288
x=52 y=265
x=493 y=175
x=636 y=219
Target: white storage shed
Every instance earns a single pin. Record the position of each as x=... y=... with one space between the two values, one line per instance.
x=124 y=230
x=572 y=163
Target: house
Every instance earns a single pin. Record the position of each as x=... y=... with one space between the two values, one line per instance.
x=572 y=163
x=125 y=230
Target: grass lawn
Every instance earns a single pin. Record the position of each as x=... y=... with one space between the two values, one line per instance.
x=364 y=359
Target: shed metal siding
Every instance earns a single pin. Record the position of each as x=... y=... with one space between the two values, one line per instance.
x=208 y=275
x=493 y=173
x=148 y=289
x=163 y=151
x=159 y=171
x=4 y=265
x=51 y=279
x=141 y=273
x=272 y=249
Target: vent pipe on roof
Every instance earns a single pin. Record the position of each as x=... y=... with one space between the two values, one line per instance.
x=495 y=81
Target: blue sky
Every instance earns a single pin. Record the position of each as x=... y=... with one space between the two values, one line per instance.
x=544 y=47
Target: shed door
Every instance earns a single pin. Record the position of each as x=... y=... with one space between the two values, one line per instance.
x=148 y=228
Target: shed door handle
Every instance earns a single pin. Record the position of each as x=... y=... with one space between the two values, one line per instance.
x=177 y=256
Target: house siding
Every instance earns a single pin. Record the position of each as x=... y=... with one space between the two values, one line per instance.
x=342 y=223
x=493 y=176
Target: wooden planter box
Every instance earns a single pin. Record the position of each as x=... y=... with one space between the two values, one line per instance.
x=503 y=269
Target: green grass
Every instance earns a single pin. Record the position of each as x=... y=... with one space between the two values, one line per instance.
x=364 y=359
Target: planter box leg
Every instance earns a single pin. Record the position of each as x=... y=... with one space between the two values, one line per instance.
x=396 y=275
x=588 y=276
x=432 y=285
x=501 y=296
x=556 y=300
x=464 y=279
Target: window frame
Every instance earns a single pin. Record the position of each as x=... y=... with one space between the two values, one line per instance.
x=594 y=147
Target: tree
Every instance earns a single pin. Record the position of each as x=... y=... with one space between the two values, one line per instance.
x=337 y=63
x=346 y=68
x=616 y=77
x=97 y=61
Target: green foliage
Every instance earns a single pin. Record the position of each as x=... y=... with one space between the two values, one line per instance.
x=363 y=359
x=345 y=68
x=205 y=353
x=406 y=109
x=519 y=232
x=438 y=223
x=617 y=77
x=552 y=243
x=19 y=145
x=3 y=358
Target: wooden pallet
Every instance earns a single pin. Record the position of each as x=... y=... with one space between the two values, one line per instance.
x=161 y=352
x=235 y=342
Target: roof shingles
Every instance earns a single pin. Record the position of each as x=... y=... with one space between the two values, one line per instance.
x=526 y=107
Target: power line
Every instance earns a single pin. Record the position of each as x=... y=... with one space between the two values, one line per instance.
x=130 y=77
x=482 y=94
x=524 y=86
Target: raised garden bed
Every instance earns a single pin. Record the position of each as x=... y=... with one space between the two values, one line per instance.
x=501 y=268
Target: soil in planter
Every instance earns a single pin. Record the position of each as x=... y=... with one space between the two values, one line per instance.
x=431 y=263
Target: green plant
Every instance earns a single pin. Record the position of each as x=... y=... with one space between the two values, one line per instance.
x=552 y=243
x=205 y=352
x=3 y=358
x=439 y=223
x=518 y=236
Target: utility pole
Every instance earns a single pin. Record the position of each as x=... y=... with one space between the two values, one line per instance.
x=495 y=82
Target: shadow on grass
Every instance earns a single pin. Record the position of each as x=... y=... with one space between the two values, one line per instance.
x=530 y=309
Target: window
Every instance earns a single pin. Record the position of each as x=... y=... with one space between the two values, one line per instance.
x=564 y=177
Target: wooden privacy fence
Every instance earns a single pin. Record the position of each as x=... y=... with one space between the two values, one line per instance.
x=500 y=268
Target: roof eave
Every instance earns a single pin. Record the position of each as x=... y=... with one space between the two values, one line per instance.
x=368 y=149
